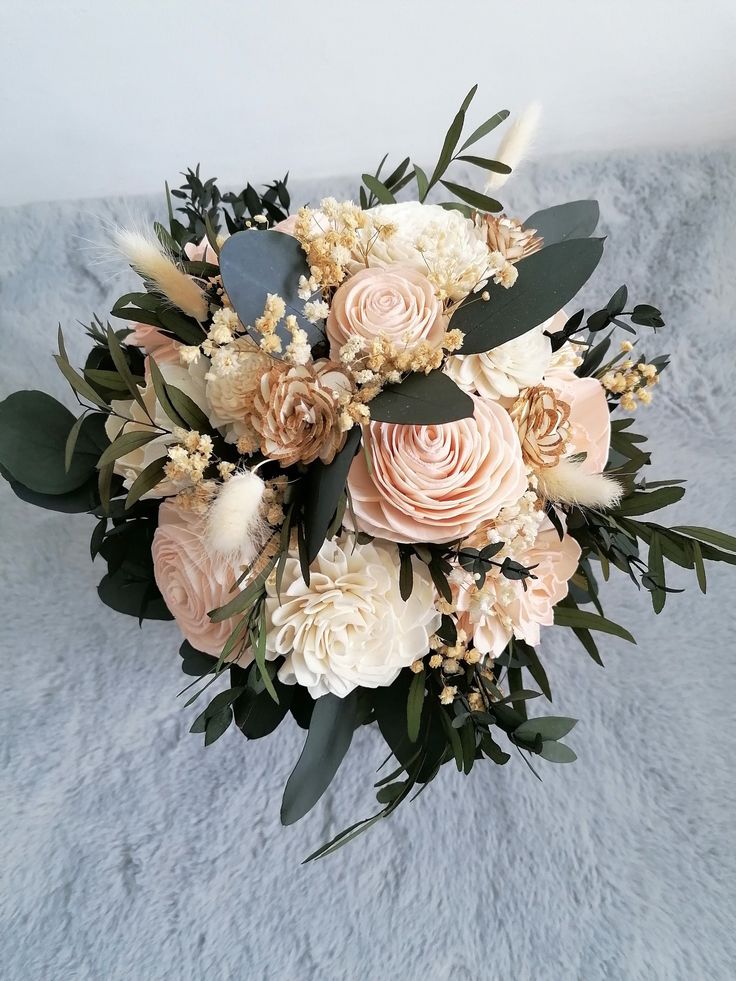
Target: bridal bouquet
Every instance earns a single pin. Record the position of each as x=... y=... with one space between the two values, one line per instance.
x=362 y=455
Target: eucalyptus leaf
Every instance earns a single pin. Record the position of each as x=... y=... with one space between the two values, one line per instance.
x=328 y=740
x=253 y=264
x=378 y=189
x=547 y=281
x=34 y=429
x=474 y=198
x=422 y=400
x=323 y=486
x=557 y=752
x=568 y=617
x=548 y=727
x=576 y=219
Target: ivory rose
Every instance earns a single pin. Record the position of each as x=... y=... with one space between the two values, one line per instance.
x=398 y=303
x=349 y=626
x=191 y=582
x=437 y=483
x=590 y=419
x=501 y=374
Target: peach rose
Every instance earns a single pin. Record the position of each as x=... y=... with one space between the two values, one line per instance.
x=191 y=583
x=556 y=562
x=397 y=302
x=163 y=349
x=437 y=483
x=201 y=252
x=590 y=419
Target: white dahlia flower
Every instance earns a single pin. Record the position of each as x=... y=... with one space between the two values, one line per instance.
x=349 y=627
x=502 y=373
x=443 y=245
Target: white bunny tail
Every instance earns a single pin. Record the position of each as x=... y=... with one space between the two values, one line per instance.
x=515 y=144
x=235 y=527
x=567 y=483
x=150 y=260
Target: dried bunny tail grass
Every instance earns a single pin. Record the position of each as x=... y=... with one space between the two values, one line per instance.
x=515 y=144
x=150 y=260
x=569 y=484
x=236 y=528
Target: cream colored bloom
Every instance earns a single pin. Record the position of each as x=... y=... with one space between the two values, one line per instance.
x=349 y=627
x=188 y=380
x=443 y=245
x=231 y=393
x=501 y=373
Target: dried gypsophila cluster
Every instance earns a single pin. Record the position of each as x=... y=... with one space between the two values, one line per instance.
x=381 y=361
x=331 y=238
x=631 y=380
x=542 y=421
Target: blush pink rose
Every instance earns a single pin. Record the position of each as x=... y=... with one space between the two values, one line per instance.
x=162 y=348
x=556 y=562
x=397 y=302
x=590 y=419
x=191 y=583
x=437 y=483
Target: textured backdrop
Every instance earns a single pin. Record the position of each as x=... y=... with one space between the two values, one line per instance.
x=130 y=852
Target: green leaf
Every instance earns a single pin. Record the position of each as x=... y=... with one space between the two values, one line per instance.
x=469 y=98
x=146 y=480
x=253 y=264
x=656 y=574
x=576 y=219
x=78 y=383
x=557 y=753
x=125 y=443
x=496 y=166
x=718 y=538
x=414 y=706
x=328 y=740
x=422 y=400
x=133 y=597
x=121 y=363
x=188 y=410
x=422 y=182
x=163 y=395
x=548 y=727
x=406 y=574
x=323 y=486
x=568 y=617
x=71 y=442
x=485 y=128
x=77 y=501
x=259 y=653
x=34 y=430
x=378 y=189
x=474 y=198
x=547 y=281
x=699 y=566
x=448 y=147
x=644 y=502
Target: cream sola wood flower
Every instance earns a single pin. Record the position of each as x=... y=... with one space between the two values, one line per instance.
x=350 y=626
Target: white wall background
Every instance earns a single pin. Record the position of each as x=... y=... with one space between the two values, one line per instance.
x=101 y=97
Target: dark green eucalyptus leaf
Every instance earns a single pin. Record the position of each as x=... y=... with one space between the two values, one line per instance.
x=548 y=727
x=485 y=128
x=324 y=485
x=77 y=501
x=474 y=198
x=557 y=752
x=568 y=617
x=422 y=400
x=125 y=443
x=253 y=264
x=414 y=705
x=378 y=189
x=496 y=166
x=656 y=574
x=718 y=538
x=576 y=219
x=448 y=147
x=136 y=598
x=34 y=429
x=644 y=502
x=547 y=281
x=328 y=740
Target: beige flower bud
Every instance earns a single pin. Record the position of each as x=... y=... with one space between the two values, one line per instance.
x=542 y=421
x=297 y=412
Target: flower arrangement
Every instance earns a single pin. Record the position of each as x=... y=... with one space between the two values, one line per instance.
x=362 y=456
